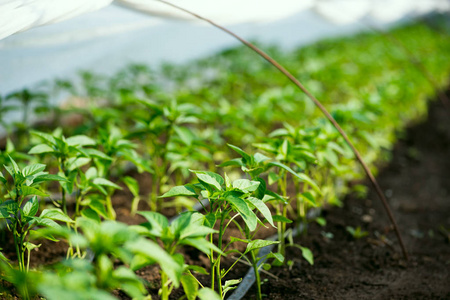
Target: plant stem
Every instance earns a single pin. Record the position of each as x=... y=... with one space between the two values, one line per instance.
x=322 y=109
x=221 y=231
x=164 y=286
x=257 y=277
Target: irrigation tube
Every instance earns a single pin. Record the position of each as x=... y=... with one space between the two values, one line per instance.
x=249 y=278
x=322 y=109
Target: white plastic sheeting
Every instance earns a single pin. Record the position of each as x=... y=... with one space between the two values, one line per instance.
x=20 y=15
x=111 y=37
x=224 y=12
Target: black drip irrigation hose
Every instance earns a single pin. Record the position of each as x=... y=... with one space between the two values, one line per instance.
x=249 y=278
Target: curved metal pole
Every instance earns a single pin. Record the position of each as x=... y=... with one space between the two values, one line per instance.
x=322 y=109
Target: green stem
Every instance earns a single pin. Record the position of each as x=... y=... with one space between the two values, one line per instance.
x=221 y=231
x=257 y=277
x=110 y=208
x=164 y=286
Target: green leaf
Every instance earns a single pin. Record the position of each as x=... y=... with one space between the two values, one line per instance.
x=181 y=190
x=230 y=285
x=282 y=219
x=55 y=214
x=77 y=162
x=257 y=244
x=262 y=208
x=14 y=164
x=210 y=178
x=45 y=136
x=28 y=190
x=210 y=220
x=105 y=182
x=246 y=157
x=97 y=154
x=278 y=256
x=31 y=246
x=91 y=214
x=45 y=222
x=48 y=177
x=242 y=208
x=190 y=286
x=2 y=178
x=309 y=198
x=132 y=185
x=233 y=162
x=201 y=244
x=302 y=177
x=33 y=169
x=31 y=208
x=156 y=253
x=246 y=185
x=208 y=294
x=157 y=222
x=307 y=254
x=41 y=148
x=80 y=140
x=261 y=190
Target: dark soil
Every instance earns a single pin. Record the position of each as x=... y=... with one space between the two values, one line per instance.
x=417 y=185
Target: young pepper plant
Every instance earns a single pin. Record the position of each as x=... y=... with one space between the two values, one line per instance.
x=186 y=230
x=257 y=164
x=20 y=213
x=227 y=200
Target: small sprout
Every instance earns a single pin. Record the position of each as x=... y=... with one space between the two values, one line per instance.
x=357 y=232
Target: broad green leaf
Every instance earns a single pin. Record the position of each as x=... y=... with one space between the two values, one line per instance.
x=97 y=154
x=257 y=244
x=45 y=222
x=33 y=169
x=89 y=213
x=45 y=136
x=246 y=157
x=41 y=148
x=2 y=178
x=155 y=252
x=210 y=178
x=201 y=244
x=48 y=177
x=278 y=256
x=302 y=177
x=210 y=220
x=31 y=208
x=80 y=140
x=8 y=207
x=208 y=294
x=309 y=198
x=14 y=164
x=242 y=208
x=233 y=162
x=262 y=208
x=181 y=190
x=105 y=182
x=98 y=207
x=230 y=285
x=190 y=286
x=261 y=190
x=245 y=185
x=282 y=219
x=55 y=214
x=31 y=246
x=307 y=254
x=132 y=185
x=28 y=190
x=157 y=222
x=77 y=162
